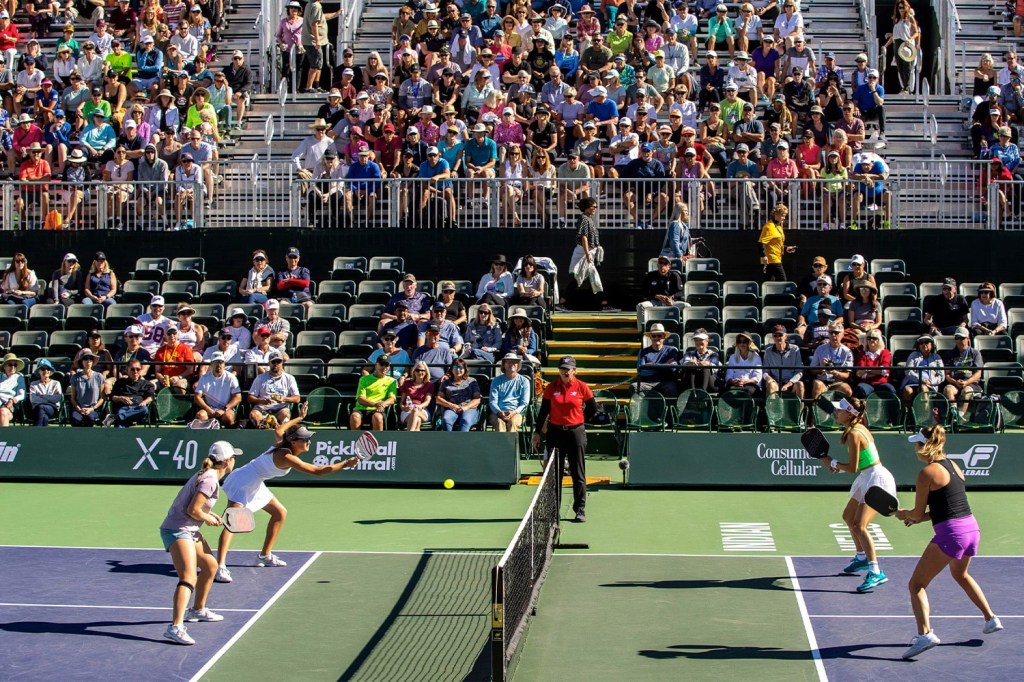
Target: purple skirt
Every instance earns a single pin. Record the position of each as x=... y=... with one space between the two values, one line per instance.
x=959 y=537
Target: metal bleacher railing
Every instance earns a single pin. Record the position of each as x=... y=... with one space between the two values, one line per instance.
x=936 y=193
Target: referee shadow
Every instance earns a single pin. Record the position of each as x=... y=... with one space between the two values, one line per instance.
x=757 y=583
x=722 y=652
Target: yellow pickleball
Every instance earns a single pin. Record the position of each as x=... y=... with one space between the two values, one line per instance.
x=449 y=483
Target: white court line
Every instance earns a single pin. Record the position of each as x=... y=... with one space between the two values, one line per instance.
x=252 y=621
x=808 y=628
x=284 y=551
x=909 y=615
x=105 y=606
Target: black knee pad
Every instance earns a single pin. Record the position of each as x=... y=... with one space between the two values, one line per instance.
x=190 y=586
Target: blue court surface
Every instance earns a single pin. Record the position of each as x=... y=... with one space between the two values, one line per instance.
x=862 y=636
x=94 y=614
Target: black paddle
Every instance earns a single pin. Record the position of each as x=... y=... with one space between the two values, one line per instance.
x=814 y=443
x=881 y=500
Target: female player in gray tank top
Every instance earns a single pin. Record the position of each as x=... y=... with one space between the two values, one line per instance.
x=941 y=489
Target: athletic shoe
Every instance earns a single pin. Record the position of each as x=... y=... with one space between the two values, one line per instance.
x=178 y=634
x=203 y=615
x=269 y=560
x=109 y=420
x=856 y=566
x=223 y=575
x=562 y=309
x=873 y=580
x=580 y=517
x=992 y=625
x=921 y=644
x=610 y=309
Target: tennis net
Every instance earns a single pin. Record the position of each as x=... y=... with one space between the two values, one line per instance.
x=520 y=573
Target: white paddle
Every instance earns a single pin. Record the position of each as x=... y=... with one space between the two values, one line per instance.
x=238 y=520
x=366 y=447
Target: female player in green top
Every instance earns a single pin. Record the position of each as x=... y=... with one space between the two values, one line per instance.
x=864 y=462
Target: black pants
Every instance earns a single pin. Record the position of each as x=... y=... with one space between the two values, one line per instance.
x=774 y=272
x=876 y=114
x=701 y=377
x=572 y=446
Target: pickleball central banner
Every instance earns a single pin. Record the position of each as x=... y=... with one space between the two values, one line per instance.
x=738 y=460
x=172 y=454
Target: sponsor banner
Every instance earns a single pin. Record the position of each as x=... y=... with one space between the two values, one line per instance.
x=778 y=459
x=172 y=454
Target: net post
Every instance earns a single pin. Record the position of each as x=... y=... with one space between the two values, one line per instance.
x=498 y=669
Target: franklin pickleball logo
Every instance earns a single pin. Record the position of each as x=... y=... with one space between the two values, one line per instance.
x=978 y=460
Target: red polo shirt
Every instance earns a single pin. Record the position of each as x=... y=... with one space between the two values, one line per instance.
x=567 y=401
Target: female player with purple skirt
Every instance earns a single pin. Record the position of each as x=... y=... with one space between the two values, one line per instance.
x=941 y=489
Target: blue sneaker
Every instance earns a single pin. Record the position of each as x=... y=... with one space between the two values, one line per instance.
x=872 y=580
x=856 y=566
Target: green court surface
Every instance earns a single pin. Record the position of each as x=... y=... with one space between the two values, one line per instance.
x=675 y=585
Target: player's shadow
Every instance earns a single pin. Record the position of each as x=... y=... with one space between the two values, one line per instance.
x=164 y=568
x=41 y=627
x=375 y=522
x=757 y=583
x=722 y=652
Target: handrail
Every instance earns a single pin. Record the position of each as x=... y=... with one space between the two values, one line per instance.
x=282 y=98
x=268 y=133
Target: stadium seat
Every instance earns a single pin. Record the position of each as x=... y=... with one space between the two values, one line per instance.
x=139 y=290
x=392 y=274
x=886 y=270
x=736 y=411
x=211 y=315
x=1015 y=321
x=190 y=268
x=1011 y=410
x=349 y=267
x=944 y=343
x=86 y=316
x=324 y=406
x=172 y=409
x=707 y=292
x=666 y=315
x=901 y=346
x=646 y=412
x=151 y=269
x=308 y=372
x=779 y=293
x=427 y=287
x=998 y=348
x=498 y=311
x=784 y=411
x=926 y=289
x=387 y=263
x=839 y=266
x=706 y=316
x=112 y=338
x=741 y=292
x=903 y=320
x=694 y=410
x=929 y=408
x=786 y=315
x=337 y=291
x=364 y=316
x=29 y=344
x=5 y=340
x=969 y=290
x=326 y=316
x=375 y=291
x=883 y=411
x=13 y=317
x=315 y=344
x=295 y=313
x=824 y=417
x=898 y=294
x=46 y=317
x=981 y=415
x=1003 y=377
x=66 y=344
x=465 y=290
x=703 y=269
x=741 y=318
x=179 y=290
x=356 y=344
x=222 y=291
x=714 y=341
x=1012 y=295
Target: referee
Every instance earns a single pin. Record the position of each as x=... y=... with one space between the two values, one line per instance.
x=561 y=417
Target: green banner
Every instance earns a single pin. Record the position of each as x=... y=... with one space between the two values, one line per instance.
x=738 y=460
x=172 y=454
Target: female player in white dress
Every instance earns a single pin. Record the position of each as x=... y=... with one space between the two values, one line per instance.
x=246 y=487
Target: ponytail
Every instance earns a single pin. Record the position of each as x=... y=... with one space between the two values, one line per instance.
x=855 y=420
x=935 y=449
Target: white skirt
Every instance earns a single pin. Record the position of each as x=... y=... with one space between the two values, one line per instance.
x=252 y=494
x=872 y=476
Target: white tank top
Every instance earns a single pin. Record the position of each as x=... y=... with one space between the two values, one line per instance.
x=188 y=337
x=263 y=467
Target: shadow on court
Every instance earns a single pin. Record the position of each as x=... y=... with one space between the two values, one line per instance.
x=719 y=652
x=40 y=627
x=165 y=568
x=374 y=522
x=755 y=583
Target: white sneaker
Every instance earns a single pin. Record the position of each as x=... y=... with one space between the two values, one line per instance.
x=222 y=575
x=992 y=625
x=269 y=560
x=921 y=644
x=826 y=227
x=109 y=420
x=178 y=634
x=203 y=615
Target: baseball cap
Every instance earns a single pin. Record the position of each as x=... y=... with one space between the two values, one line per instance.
x=859 y=259
x=433 y=150
x=961 y=333
x=567 y=361
x=293 y=251
x=742 y=147
x=272 y=304
x=949 y=282
x=156 y=300
x=217 y=357
x=70 y=257
x=647 y=147
x=625 y=121
x=598 y=91
x=824 y=279
x=819 y=260
x=782 y=145
x=263 y=330
x=573 y=154
x=433 y=328
x=134 y=330
x=409 y=277
x=222 y=451
x=300 y=433
x=438 y=305
x=779 y=329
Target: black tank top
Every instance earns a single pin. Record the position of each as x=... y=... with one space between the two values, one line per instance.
x=949 y=501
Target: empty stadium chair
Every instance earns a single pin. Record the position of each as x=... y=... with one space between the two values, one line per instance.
x=741 y=292
x=741 y=318
x=887 y=270
x=427 y=287
x=927 y=409
x=903 y=320
x=46 y=317
x=944 y=343
x=308 y=372
x=139 y=290
x=1015 y=322
x=222 y=291
x=784 y=411
x=356 y=343
x=998 y=348
x=151 y=269
x=839 y=266
x=900 y=294
x=736 y=411
x=883 y=411
x=706 y=316
x=386 y=267
x=1011 y=410
x=188 y=268
x=1003 y=377
x=84 y=316
x=364 y=316
x=375 y=291
x=350 y=267
x=326 y=316
x=337 y=291
x=315 y=344
x=901 y=346
x=666 y=315
x=13 y=317
x=66 y=343
x=29 y=344
x=694 y=409
x=708 y=292
x=1012 y=295
x=324 y=406
x=969 y=290
x=779 y=293
x=646 y=412
x=465 y=291
x=926 y=289
x=179 y=290
x=703 y=269
x=786 y=315
x=211 y=315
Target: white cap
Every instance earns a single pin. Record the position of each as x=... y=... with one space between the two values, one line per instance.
x=237 y=311
x=156 y=300
x=135 y=329
x=700 y=335
x=508 y=110
x=599 y=90
x=918 y=437
x=272 y=304
x=222 y=451
x=70 y=256
x=859 y=259
x=625 y=121
x=826 y=279
x=217 y=357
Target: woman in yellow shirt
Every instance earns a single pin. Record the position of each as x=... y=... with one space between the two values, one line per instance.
x=773 y=245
